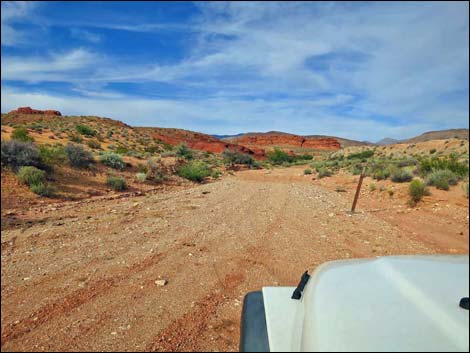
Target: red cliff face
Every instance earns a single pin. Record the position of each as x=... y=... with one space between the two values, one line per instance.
x=200 y=141
x=29 y=110
x=286 y=141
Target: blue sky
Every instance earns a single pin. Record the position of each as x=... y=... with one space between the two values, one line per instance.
x=356 y=70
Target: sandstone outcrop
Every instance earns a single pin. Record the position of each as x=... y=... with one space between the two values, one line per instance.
x=29 y=110
x=286 y=141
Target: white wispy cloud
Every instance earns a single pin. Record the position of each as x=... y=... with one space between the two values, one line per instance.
x=12 y=11
x=337 y=67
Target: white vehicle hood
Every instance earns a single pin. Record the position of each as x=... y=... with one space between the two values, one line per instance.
x=398 y=303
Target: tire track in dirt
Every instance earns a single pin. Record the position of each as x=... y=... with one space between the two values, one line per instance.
x=71 y=302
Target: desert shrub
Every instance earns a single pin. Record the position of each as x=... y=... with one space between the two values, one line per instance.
x=304 y=157
x=465 y=187
x=21 y=134
x=278 y=156
x=372 y=187
x=112 y=160
x=406 y=162
x=416 y=191
x=155 y=169
x=141 y=177
x=390 y=192
x=307 y=171
x=76 y=138
x=194 y=170
x=323 y=172
x=235 y=157
x=381 y=174
x=441 y=179
x=451 y=162
x=168 y=154
x=85 y=130
x=122 y=150
x=52 y=155
x=361 y=155
x=31 y=175
x=356 y=169
x=152 y=149
x=216 y=174
x=401 y=176
x=184 y=152
x=78 y=156
x=41 y=189
x=109 y=134
x=15 y=154
x=94 y=144
x=116 y=183
x=340 y=189
x=432 y=151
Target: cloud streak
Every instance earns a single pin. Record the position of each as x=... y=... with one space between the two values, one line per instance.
x=297 y=67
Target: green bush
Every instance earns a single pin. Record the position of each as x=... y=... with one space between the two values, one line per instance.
x=441 y=179
x=278 y=156
x=307 y=171
x=235 y=157
x=401 y=176
x=194 y=170
x=94 y=144
x=323 y=172
x=381 y=174
x=52 y=155
x=184 y=152
x=429 y=165
x=21 y=134
x=122 y=150
x=155 y=169
x=15 y=154
x=216 y=174
x=76 y=138
x=141 y=177
x=116 y=183
x=112 y=160
x=78 y=156
x=31 y=175
x=303 y=157
x=41 y=189
x=416 y=191
x=361 y=155
x=356 y=170
x=85 y=130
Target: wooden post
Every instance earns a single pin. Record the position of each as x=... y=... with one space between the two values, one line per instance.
x=359 y=184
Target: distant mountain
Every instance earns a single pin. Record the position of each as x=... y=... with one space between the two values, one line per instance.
x=220 y=137
x=387 y=141
x=439 y=135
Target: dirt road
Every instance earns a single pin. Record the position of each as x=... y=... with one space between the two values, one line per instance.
x=82 y=276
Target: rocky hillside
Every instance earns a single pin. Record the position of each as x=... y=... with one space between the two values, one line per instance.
x=198 y=141
x=282 y=140
x=48 y=125
x=439 y=135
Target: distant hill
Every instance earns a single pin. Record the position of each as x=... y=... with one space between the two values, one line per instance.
x=221 y=137
x=439 y=135
x=387 y=141
x=343 y=141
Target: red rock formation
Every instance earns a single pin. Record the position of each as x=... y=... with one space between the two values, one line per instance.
x=29 y=110
x=200 y=141
x=286 y=141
